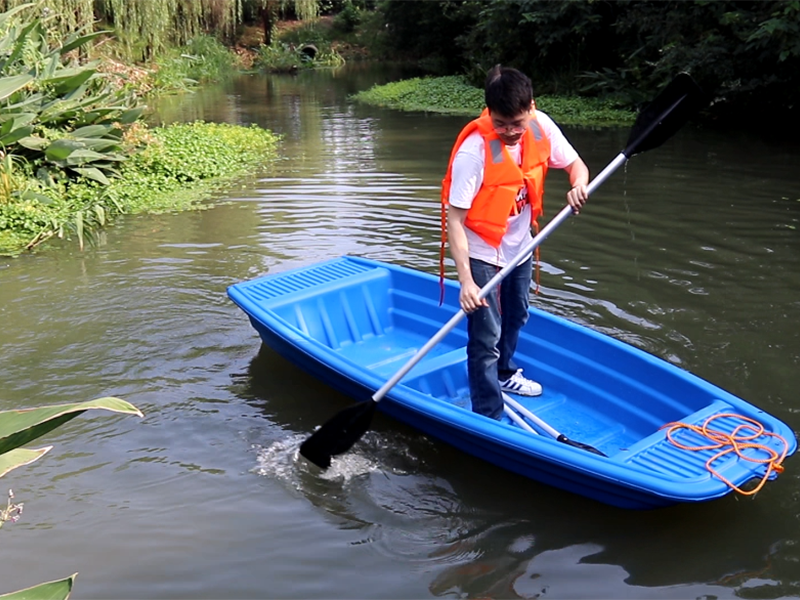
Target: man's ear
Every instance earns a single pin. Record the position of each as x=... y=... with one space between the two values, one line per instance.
x=533 y=105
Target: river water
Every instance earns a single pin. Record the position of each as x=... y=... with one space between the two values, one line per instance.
x=691 y=252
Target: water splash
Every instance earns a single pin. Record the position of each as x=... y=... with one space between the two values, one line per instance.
x=282 y=461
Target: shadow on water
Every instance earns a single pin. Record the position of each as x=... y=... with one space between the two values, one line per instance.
x=479 y=531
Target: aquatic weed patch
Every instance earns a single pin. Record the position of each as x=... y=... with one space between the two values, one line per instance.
x=453 y=95
x=185 y=161
x=449 y=94
x=175 y=169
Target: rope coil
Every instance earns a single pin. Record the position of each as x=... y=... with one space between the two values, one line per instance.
x=740 y=439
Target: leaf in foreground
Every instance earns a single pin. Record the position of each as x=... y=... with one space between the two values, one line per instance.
x=18 y=427
x=52 y=590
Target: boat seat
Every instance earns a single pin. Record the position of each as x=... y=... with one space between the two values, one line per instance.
x=437 y=363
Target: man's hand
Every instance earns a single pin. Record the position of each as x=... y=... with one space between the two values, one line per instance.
x=578 y=179
x=468 y=298
x=577 y=197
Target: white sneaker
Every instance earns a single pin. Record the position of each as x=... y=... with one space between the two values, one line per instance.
x=519 y=384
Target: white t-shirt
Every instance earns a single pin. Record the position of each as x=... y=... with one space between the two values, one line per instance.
x=467 y=177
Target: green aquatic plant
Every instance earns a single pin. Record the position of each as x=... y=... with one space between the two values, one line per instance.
x=453 y=95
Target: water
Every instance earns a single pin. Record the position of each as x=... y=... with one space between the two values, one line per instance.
x=690 y=252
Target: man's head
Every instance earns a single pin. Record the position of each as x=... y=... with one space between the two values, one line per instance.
x=509 y=98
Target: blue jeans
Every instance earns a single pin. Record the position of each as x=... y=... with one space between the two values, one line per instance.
x=493 y=333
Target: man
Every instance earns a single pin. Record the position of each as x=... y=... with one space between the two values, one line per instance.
x=493 y=193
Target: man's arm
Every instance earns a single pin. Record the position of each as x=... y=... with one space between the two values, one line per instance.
x=459 y=250
x=578 y=179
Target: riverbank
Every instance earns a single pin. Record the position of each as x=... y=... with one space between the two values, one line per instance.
x=175 y=169
x=74 y=148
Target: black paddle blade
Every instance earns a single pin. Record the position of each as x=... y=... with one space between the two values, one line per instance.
x=666 y=114
x=565 y=440
x=338 y=434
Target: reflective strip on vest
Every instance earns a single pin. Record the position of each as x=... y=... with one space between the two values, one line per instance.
x=496 y=148
x=536 y=129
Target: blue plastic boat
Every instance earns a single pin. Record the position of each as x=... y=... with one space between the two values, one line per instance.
x=353 y=323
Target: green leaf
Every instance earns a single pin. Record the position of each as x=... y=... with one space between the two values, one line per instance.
x=100 y=145
x=92 y=173
x=63 y=75
x=33 y=143
x=129 y=116
x=77 y=42
x=20 y=43
x=18 y=427
x=53 y=590
x=32 y=99
x=83 y=156
x=16 y=135
x=9 y=85
x=22 y=119
x=20 y=457
x=61 y=149
x=51 y=67
x=40 y=198
x=90 y=131
x=74 y=83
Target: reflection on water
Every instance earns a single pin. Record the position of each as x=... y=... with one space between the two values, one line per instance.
x=690 y=252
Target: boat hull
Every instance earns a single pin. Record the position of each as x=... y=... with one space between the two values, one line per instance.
x=352 y=323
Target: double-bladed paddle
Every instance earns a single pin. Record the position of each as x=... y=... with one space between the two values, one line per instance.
x=654 y=125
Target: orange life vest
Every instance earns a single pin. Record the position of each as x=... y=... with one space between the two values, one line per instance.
x=502 y=181
x=502 y=178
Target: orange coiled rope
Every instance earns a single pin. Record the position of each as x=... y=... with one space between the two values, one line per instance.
x=742 y=437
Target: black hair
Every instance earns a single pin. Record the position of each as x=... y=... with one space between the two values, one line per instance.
x=508 y=92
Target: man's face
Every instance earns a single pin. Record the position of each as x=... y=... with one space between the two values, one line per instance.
x=510 y=129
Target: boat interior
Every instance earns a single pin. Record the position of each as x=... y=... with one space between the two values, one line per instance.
x=596 y=389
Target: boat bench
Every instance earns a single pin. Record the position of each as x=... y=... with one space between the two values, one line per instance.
x=656 y=453
x=434 y=375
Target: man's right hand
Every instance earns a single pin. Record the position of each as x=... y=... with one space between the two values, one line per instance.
x=468 y=298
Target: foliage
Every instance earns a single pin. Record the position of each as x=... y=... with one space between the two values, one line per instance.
x=745 y=53
x=334 y=7
x=311 y=32
x=452 y=94
x=19 y=427
x=427 y=31
x=281 y=57
x=173 y=169
x=348 y=18
x=204 y=59
x=147 y=29
x=269 y=11
x=63 y=119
